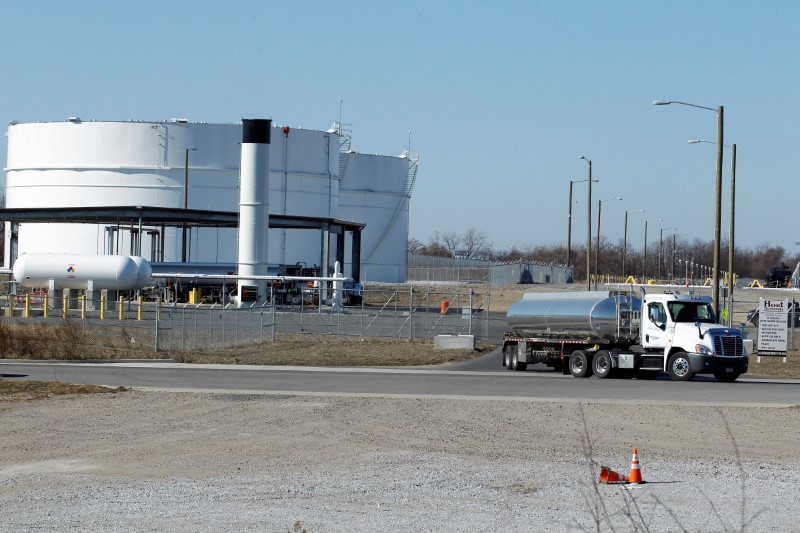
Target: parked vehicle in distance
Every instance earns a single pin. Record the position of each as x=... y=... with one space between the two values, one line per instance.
x=779 y=276
x=752 y=316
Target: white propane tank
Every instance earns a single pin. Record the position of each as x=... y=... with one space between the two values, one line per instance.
x=73 y=271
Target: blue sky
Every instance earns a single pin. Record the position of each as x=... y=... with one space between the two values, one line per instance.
x=502 y=98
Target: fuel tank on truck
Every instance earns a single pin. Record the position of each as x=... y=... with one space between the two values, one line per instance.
x=579 y=315
x=74 y=271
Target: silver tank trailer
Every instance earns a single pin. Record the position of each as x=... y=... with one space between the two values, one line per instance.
x=579 y=315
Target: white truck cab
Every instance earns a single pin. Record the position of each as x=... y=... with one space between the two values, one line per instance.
x=683 y=328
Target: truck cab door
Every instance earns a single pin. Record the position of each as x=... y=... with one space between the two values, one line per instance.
x=655 y=326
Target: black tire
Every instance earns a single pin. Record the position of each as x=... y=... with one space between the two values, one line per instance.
x=679 y=368
x=647 y=374
x=727 y=377
x=509 y=356
x=580 y=365
x=516 y=364
x=506 y=350
x=601 y=364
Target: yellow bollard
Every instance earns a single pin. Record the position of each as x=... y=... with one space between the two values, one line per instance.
x=83 y=306
x=103 y=304
x=27 y=312
x=46 y=306
x=121 y=309
x=158 y=308
x=10 y=305
x=64 y=307
x=140 y=311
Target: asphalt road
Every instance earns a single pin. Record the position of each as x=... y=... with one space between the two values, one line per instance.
x=483 y=377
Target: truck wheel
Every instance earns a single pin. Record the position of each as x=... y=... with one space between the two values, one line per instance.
x=515 y=362
x=679 y=368
x=579 y=364
x=727 y=377
x=508 y=356
x=601 y=364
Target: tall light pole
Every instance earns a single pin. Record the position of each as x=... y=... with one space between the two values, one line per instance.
x=731 y=247
x=597 y=247
x=589 y=232
x=625 y=238
x=661 y=248
x=569 y=221
x=720 y=111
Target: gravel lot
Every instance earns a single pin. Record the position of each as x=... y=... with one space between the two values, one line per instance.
x=164 y=461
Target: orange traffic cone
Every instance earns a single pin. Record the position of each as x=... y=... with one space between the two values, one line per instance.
x=636 y=472
x=609 y=476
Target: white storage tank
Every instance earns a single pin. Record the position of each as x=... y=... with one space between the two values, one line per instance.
x=79 y=163
x=376 y=191
x=75 y=271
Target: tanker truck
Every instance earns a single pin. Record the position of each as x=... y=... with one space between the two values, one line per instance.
x=617 y=333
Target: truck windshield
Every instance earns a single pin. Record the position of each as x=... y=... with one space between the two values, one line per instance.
x=691 y=312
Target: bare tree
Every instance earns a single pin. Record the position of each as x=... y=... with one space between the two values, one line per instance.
x=450 y=240
x=415 y=246
x=476 y=244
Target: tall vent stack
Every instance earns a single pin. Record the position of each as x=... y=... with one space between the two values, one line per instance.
x=254 y=209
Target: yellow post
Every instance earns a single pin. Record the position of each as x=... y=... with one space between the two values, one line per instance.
x=158 y=308
x=27 y=312
x=64 y=307
x=103 y=303
x=83 y=306
x=46 y=305
x=139 y=311
x=121 y=309
x=10 y=305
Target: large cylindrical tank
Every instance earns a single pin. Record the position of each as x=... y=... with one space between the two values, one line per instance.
x=585 y=315
x=73 y=271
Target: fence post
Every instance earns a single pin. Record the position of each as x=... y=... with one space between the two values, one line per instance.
x=470 y=311
x=411 y=312
x=158 y=317
x=488 y=311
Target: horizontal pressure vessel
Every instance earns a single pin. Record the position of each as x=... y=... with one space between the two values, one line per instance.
x=584 y=315
x=73 y=271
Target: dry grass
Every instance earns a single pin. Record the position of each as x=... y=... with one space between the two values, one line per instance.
x=34 y=390
x=326 y=350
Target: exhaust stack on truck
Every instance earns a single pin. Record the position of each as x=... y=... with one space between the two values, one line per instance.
x=604 y=333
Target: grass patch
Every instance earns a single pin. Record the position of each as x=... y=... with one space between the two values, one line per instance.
x=326 y=350
x=35 y=390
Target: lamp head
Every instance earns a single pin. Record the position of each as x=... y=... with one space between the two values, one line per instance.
x=661 y=102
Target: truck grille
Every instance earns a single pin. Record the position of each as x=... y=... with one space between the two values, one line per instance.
x=729 y=346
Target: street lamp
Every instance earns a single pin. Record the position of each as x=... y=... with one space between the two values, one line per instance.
x=589 y=232
x=720 y=111
x=597 y=248
x=731 y=247
x=569 y=221
x=661 y=248
x=644 y=275
x=625 y=238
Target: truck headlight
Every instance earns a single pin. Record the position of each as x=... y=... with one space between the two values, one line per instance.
x=703 y=350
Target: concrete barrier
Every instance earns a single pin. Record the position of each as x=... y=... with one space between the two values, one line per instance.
x=454 y=342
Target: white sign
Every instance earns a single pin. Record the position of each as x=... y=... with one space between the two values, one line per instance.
x=772 y=321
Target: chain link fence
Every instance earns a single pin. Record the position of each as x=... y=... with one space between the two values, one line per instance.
x=75 y=326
